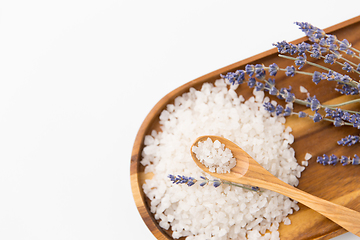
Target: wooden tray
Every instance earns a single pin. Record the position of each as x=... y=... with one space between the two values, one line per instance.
x=338 y=183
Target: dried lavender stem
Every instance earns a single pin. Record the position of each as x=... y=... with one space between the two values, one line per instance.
x=310 y=63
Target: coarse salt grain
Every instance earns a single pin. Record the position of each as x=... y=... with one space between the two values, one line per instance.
x=303 y=90
x=305 y=163
x=308 y=156
x=225 y=212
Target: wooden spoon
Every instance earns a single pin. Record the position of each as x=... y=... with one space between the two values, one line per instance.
x=248 y=171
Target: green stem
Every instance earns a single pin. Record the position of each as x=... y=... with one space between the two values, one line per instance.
x=348 y=61
x=334 y=108
x=303 y=102
x=354 y=49
x=343 y=103
x=327 y=119
x=229 y=183
x=351 y=83
x=310 y=63
x=237 y=185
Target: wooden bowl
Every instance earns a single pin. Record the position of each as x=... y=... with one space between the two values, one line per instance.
x=338 y=183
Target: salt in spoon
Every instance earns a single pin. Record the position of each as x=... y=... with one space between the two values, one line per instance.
x=248 y=171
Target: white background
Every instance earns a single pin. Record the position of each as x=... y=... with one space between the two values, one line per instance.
x=78 y=77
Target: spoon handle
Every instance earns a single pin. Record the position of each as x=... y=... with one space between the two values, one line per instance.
x=343 y=216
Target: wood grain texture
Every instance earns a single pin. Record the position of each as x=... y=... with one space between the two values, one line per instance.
x=249 y=172
x=333 y=183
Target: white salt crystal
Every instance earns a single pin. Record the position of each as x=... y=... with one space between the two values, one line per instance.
x=275 y=235
x=217 y=144
x=303 y=90
x=287 y=221
x=308 y=156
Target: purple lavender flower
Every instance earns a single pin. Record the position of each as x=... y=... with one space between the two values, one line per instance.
x=318 y=34
x=323 y=160
x=216 y=183
x=251 y=82
x=269 y=107
x=342 y=117
x=351 y=53
x=302 y=114
x=322 y=42
x=303 y=48
x=349 y=140
x=287 y=111
x=290 y=97
x=270 y=83
x=259 y=86
x=273 y=69
x=344 y=45
x=229 y=76
x=314 y=33
x=284 y=47
x=330 y=58
x=261 y=74
x=290 y=71
x=279 y=110
x=273 y=91
x=344 y=160
x=250 y=70
x=301 y=60
x=334 y=113
x=316 y=77
x=316 y=54
x=347 y=90
x=314 y=103
x=259 y=68
x=317 y=117
x=355 y=160
x=345 y=79
x=239 y=76
x=331 y=39
x=338 y=122
x=190 y=181
x=333 y=160
x=182 y=180
x=346 y=116
x=280 y=46
x=347 y=67
x=204 y=182
x=285 y=93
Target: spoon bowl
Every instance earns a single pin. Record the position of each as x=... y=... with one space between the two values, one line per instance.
x=248 y=171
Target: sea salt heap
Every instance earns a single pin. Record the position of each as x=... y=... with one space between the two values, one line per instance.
x=215 y=156
x=225 y=212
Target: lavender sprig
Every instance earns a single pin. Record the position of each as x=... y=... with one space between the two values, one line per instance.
x=324 y=51
x=333 y=160
x=332 y=51
x=330 y=76
x=190 y=181
x=349 y=140
x=239 y=77
x=327 y=41
x=315 y=34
